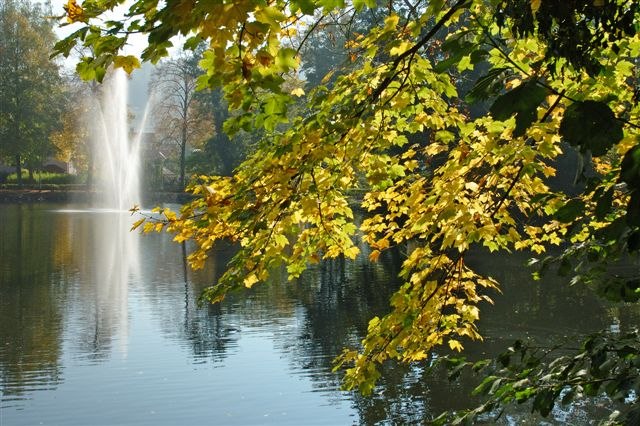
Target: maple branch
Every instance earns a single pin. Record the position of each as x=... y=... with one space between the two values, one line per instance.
x=393 y=73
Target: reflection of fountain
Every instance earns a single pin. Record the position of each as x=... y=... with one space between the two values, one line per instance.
x=117 y=265
x=116 y=154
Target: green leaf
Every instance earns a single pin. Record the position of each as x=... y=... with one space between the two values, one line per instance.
x=630 y=168
x=592 y=126
x=543 y=402
x=85 y=70
x=306 y=6
x=570 y=211
x=127 y=63
x=565 y=267
x=522 y=101
x=193 y=42
x=485 y=86
x=100 y=73
x=457 y=48
x=358 y=5
x=64 y=47
x=633 y=209
x=605 y=202
x=485 y=385
x=620 y=291
x=633 y=242
x=525 y=394
x=286 y=59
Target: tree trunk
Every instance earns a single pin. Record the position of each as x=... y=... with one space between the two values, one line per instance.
x=183 y=152
x=18 y=169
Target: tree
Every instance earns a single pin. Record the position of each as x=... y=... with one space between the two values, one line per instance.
x=466 y=182
x=221 y=154
x=30 y=86
x=180 y=116
x=72 y=140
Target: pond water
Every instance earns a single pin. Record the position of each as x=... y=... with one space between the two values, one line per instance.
x=101 y=326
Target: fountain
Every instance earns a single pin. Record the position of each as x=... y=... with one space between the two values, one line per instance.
x=116 y=151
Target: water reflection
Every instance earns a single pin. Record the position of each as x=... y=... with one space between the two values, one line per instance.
x=107 y=259
x=87 y=308
x=30 y=324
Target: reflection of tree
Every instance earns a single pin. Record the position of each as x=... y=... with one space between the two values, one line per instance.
x=30 y=315
x=346 y=296
x=339 y=297
x=536 y=308
x=207 y=332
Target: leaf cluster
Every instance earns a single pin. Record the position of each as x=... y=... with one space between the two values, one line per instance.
x=572 y=30
x=548 y=376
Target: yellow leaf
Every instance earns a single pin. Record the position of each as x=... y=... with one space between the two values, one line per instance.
x=127 y=63
x=471 y=186
x=535 y=5
x=75 y=13
x=352 y=252
x=391 y=22
x=374 y=255
x=400 y=49
x=419 y=356
x=455 y=345
x=136 y=224
x=298 y=91
x=250 y=280
x=281 y=240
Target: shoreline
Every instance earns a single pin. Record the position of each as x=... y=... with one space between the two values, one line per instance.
x=31 y=195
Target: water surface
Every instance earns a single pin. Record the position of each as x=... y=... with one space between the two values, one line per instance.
x=101 y=326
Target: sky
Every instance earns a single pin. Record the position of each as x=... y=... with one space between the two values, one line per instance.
x=136 y=42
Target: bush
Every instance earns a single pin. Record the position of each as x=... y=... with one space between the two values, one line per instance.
x=45 y=178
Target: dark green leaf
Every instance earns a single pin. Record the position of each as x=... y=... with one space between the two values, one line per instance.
x=591 y=389
x=630 y=168
x=457 y=48
x=565 y=267
x=620 y=291
x=485 y=385
x=633 y=209
x=570 y=211
x=605 y=202
x=455 y=372
x=613 y=231
x=568 y=396
x=485 y=86
x=522 y=101
x=479 y=365
x=306 y=6
x=543 y=402
x=633 y=242
x=592 y=126
x=632 y=418
x=192 y=42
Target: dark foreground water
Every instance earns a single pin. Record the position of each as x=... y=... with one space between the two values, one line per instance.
x=99 y=326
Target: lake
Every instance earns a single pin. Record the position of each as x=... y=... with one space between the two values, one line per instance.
x=101 y=326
